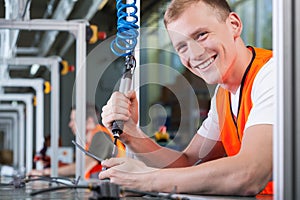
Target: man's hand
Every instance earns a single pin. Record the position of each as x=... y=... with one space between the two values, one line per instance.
x=129 y=173
x=122 y=107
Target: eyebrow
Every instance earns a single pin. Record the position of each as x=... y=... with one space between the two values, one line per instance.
x=197 y=31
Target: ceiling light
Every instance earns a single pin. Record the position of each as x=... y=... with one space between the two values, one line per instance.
x=34 y=68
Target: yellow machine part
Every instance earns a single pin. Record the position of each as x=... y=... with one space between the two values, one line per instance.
x=94 y=37
x=161 y=136
x=64 y=67
x=47 y=87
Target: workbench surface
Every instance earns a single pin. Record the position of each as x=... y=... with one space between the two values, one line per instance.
x=11 y=192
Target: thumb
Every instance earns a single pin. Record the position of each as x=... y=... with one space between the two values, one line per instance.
x=108 y=163
x=131 y=95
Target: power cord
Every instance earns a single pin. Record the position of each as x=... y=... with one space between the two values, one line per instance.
x=20 y=182
x=110 y=191
x=103 y=190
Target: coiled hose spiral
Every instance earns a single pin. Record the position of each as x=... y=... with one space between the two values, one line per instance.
x=126 y=39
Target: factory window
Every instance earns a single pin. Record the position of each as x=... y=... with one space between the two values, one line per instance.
x=257 y=21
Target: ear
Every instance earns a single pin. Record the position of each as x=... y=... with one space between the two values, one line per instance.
x=90 y=120
x=236 y=24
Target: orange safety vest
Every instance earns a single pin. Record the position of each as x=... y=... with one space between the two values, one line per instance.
x=232 y=129
x=120 y=145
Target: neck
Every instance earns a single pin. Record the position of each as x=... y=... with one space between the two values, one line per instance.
x=233 y=80
x=89 y=134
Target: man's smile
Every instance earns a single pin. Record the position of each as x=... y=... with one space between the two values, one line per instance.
x=205 y=64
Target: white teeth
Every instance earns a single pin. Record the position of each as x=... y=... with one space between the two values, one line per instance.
x=205 y=64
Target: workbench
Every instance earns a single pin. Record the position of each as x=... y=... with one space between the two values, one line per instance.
x=14 y=193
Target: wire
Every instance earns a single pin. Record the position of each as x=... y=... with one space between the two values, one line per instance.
x=124 y=45
x=19 y=182
x=50 y=180
x=126 y=39
x=60 y=188
x=87 y=152
x=107 y=190
x=25 y=8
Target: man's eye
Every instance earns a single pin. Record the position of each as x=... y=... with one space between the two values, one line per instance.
x=201 y=35
x=181 y=48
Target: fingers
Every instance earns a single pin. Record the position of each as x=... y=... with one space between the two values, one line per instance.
x=104 y=174
x=108 y=164
x=117 y=108
x=127 y=172
x=131 y=95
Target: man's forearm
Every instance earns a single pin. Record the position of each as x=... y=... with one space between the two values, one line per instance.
x=148 y=151
x=214 y=177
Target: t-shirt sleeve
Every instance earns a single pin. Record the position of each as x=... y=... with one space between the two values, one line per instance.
x=210 y=126
x=101 y=145
x=262 y=96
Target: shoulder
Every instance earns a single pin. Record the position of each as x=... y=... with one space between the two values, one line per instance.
x=101 y=136
x=267 y=70
x=265 y=79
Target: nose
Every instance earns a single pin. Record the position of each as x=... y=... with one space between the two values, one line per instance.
x=196 y=50
x=71 y=124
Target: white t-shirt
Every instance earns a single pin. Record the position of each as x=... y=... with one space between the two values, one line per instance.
x=262 y=111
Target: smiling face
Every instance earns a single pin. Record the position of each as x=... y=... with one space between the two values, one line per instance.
x=205 y=43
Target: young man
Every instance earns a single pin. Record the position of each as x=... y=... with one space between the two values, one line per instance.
x=99 y=141
x=235 y=139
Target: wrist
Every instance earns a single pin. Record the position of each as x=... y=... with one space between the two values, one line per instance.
x=132 y=134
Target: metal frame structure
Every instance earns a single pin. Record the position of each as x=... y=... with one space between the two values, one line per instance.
x=52 y=63
x=78 y=29
x=38 y=86
x=286 y=30
x=4 y=126
x=12 y=134
x=27 y=99
x=20 y=158
x=7 y=126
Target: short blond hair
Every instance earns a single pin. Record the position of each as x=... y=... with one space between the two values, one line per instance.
x=177 y=7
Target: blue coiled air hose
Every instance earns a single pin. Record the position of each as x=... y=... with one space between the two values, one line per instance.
x=126 y=39
x=124 y=45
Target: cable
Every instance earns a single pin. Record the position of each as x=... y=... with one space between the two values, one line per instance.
x=59 y=188
x=102 y=190
x=48 y=179
x=87 y=152
x=124 y=45
x=20 y=182
x=126 y=39
x=25 y=8
x=107 y=190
